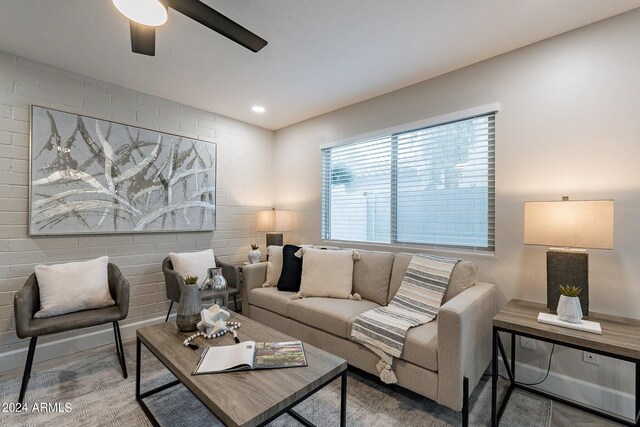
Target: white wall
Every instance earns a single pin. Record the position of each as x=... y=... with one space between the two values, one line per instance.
x=244 y=185
x=569 y=124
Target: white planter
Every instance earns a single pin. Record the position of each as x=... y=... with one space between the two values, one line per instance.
x=254 y=256
x=569 y=309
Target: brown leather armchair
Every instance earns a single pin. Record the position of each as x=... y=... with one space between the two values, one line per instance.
x=174 y=281
x=26 y=303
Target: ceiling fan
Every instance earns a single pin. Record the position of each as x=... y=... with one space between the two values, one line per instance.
x=145 y=15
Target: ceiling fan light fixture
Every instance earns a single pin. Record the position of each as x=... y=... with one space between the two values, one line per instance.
x=146 y=12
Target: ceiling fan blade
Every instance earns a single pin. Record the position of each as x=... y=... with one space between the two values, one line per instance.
x=143 y=39
x=219 y=23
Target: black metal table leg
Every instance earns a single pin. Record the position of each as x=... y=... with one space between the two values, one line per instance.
x=638 y=393
x=494 y=378
x=137 y=369
x=513 y=356
x=343 y=400
x=141 y=396
x=498 y=410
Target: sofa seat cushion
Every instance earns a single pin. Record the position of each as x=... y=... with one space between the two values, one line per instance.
x=420 y=346
x=329 y=314
x=271 y=299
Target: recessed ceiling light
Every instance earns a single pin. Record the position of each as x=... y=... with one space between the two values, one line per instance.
x=258 y=109
x=145 y=12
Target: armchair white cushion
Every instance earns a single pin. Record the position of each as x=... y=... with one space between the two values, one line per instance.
x=193 y=263
x=74 y=286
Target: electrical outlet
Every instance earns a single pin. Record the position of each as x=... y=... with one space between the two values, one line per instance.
x=590 y=357
x=526 y=342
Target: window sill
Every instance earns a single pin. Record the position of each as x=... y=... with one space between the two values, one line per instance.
x=399 y=247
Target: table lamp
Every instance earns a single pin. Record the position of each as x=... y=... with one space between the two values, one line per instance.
x=569 y=227
x=274 y=223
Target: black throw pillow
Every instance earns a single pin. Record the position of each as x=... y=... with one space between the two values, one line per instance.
x=291 y=269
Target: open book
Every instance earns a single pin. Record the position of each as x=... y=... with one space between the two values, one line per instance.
x=250 y=355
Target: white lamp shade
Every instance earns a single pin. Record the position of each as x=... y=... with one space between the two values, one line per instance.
x=274 y=221
x=569 y=223
x=146 y=12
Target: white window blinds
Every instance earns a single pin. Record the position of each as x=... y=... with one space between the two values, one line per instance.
x=431 y=186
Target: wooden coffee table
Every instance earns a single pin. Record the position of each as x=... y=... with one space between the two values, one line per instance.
x=247 y=398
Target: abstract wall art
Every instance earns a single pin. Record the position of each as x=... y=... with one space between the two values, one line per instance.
x=92 y=176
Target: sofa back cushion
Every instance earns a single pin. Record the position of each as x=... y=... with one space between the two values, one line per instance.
x=291 y=273
x=371 y=275
x=463 y=276
x=274 y=266
x=326 y=273
x=400 y=264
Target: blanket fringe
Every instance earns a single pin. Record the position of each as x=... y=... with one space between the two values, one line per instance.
x=356 y=297
x=386 y=371
x=297 y=296
x=388 y=376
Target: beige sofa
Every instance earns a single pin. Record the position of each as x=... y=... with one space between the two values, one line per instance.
x=440 y=359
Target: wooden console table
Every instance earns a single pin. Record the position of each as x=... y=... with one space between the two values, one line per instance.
x=620 y=339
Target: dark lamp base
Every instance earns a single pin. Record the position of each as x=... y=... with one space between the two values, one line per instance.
x=567 y=268
x=274 y=239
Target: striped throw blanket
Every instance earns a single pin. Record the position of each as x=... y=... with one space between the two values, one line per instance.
x=383 y=330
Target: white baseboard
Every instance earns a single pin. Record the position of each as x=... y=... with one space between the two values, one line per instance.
x=595 y=395
x=71 y=345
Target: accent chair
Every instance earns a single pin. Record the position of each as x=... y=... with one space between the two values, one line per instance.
x=27 y=302
x=174 y=281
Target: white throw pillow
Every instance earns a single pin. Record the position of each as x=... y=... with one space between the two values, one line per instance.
x=74 y=286
x=194 y=264
x=327 y=273
x=274 y=266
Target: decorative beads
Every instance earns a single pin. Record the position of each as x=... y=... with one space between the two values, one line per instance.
x=231 y=326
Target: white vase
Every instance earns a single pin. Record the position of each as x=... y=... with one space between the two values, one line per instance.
x=254 y=256
x=569 y=309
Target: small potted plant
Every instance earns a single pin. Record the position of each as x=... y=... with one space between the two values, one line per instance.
x=254 y=254
x=188 y=314
x=191 y=280
x=569 y=309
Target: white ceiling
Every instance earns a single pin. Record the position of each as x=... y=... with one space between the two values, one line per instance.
x=322 y=55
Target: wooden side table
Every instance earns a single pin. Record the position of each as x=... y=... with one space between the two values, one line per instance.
x=620 y=339
x=240 y=265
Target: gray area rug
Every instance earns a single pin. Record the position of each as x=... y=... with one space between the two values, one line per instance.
x=98 y=396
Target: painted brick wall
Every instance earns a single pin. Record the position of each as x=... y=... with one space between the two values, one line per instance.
x=244 y=183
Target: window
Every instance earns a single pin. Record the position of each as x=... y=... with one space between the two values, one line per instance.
x=430 y=186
